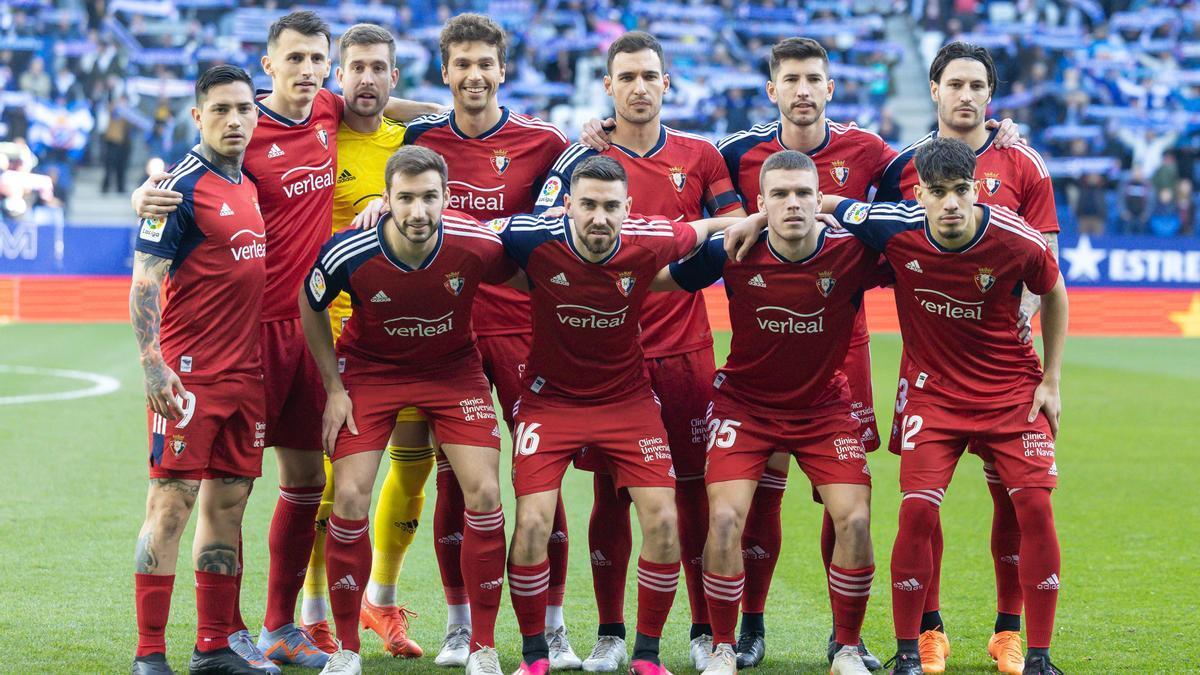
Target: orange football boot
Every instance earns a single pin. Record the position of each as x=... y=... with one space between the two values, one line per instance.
x=391 y=625
x=934 y=647
x=321 y=636
x=1008 y=652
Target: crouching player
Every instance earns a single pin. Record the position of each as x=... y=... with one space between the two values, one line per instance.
x=203 y=375
x=792 y=304
x=412 y=282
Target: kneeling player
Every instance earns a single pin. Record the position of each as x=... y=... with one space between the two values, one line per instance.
x=206 y=422
x=590 y=272
x=792 y=303
x=412 y=282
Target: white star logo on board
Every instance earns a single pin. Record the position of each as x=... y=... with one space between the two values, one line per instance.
x=1084 y=261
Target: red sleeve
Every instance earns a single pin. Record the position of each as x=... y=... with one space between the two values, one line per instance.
x=497 y=266
x=719 y=196
x=886 y=155
x=1037 y=204
x=879 y=272
x=683 y=243
x=1041 y=272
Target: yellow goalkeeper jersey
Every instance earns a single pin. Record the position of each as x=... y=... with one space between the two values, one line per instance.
x=360 y=159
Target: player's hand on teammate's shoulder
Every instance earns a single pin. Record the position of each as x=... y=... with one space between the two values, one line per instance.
x=150 y=201
x=1008 y=136
x=339 y=411
x=596 y=134
x=164 y=390
x=740 y=236
x=370 y=215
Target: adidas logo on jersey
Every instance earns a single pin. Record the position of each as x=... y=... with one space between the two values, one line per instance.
x=454 y=539
x=598 y=560
x=1050 y=584
x=346 y=583
x=915 y=266
x=381 y=297
x=908 y=585
x=345 y=176
x=755 y=553
x=225 y=210
x=274 y=152
x=560 y=279
x=757 y=280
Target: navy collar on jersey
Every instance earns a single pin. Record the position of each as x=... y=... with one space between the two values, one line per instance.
x=498 y=126
x=781 y=258
x=569 y=236
x=212 y=167
x=983 y=225
x=986 y=144
x=821 y=146
x=263 y=93
x=400 y=264
x=662 y=141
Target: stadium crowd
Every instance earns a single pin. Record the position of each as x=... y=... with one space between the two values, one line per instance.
x=1108 y=92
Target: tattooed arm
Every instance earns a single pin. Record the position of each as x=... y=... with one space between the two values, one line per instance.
x=1031 y=303
x=162 y=384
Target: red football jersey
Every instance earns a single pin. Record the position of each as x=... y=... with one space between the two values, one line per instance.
x=1014 y=177
x=682 y=178
x=791 y=320
x=958 y=309
x=494 y=175
x=585 y=314
x=850 y=161
x=293 y=165
x=217 y=245
x=408 y=324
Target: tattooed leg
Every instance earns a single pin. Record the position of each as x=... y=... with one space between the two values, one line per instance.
x=169 y=503
x=218 y=528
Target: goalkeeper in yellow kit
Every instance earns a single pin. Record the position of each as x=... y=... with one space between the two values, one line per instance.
x=365 y=141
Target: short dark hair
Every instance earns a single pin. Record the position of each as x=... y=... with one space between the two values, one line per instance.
x=218 y=75
x=963 y=50
x=942 y=160
x=366 y=34
x=472 y=28
x=599 y=167
x=787 y=159
x=414 y=160
x=799 y=49
x=633 y=42
x=303 y=22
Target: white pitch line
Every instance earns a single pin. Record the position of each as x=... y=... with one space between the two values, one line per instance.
x=101 y=385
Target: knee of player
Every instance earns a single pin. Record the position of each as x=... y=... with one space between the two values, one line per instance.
x=352 y=501
x=168 y=519
x=724 y=521
x=485 y=497
x=856 y=524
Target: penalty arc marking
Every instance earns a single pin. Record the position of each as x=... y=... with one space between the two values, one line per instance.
x=100 y=385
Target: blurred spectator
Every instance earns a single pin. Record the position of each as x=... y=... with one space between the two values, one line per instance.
x=1185 y=200
x=1090 y=205
x=1166 y=176
x=118 y=137
x=1164 y=220
x=35 y=81
x=1135 y=202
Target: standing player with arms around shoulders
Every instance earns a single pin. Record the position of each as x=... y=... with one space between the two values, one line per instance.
x=849 y=162
x=966 y=380
x=414 y=348
x=291 y=161
x=590 y=272
x=203 y=375
x=792 y=303
x=366 y=139
x=679 y=176
x=497 y=159
x=962 y=80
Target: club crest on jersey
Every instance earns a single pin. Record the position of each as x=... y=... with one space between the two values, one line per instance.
x=825 y=282
x=985 y=280
x=625 y=281
x=454 y=283
x=840 y=172
x=500 y=161
x=991 y=183
x=678 y=177
x=322 y=136
x=178 y=445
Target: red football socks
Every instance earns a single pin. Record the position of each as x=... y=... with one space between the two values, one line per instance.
x=215 y=600
x=912 y=560
x=483 y=571
x=347 y=566
x=290 y=543
x=1006 y=547
x=761 y=544
x=448 y=532
x=527 y=586
x=691 y=501
x=559 y=550
x=1040 y=560
x=152 y=598
x=610 y=540
x=656 y=592
x=849 y=591
x=724 y=596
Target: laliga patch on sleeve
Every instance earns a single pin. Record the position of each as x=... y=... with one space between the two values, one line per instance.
x=152 y=228
x=550 y=191
x=857 y=213
x=316 y=284
x=497 y=225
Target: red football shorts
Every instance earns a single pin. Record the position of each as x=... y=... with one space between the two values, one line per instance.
x=504 y=359
x=295 y=395
x=458 y=407
x=222 y=432
x=857 y=367
x=683 y=384
x=826 y=447
x=932 y=439
x=628 y=436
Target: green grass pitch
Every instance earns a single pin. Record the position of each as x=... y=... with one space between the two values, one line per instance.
x=1128 y=517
